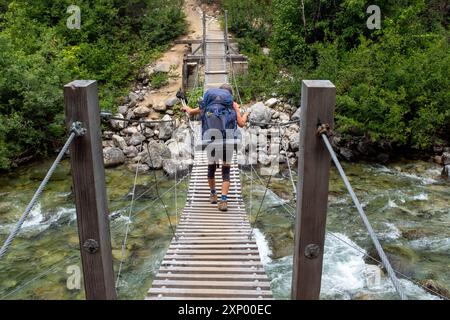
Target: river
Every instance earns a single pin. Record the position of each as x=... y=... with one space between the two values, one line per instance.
x=407 y=203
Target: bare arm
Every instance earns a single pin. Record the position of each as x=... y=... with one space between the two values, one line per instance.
x=191 y=112
x=241 y=119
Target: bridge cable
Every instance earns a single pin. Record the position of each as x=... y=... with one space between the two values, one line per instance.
x=158 y=191
x=75 y=131
x=125 y=240
x=323 y=131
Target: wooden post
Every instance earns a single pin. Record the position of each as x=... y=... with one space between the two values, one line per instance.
x=227 y=48
x=318 y=103
x=89 y=187
x=204 y=35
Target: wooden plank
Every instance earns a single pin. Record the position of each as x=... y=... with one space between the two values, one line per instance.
x=206 y=270
x=214 y=246
x=318 y=102
x=212 y=277
x=154 y=298
x=246 y=285
x=89 y=188
x=175 y=263
x=212 y=257
x=211 y=292
x=213 y=252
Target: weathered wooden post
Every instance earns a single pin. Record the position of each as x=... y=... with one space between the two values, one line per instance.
x=204 y=36
x=227 y=44
x=318 y=103
x=89 y=187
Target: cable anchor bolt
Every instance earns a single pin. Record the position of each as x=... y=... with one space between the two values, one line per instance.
x=324 y=129
x=78 y=129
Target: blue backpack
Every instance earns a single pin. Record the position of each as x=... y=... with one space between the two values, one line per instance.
x=217 y=112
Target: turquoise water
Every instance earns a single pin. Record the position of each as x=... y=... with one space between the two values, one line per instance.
x=406 y=202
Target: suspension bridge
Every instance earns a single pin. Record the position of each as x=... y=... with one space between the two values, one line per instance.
x=213 y=255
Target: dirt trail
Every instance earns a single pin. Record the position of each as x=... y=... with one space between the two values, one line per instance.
x=174 y=56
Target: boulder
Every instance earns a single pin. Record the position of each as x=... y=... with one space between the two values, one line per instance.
x=434 y=287
x=166 y=128
x=155 y=154
x=162 y=67
x=297 y=115
x=266 y=51
x=142 y=167
x=134 y=97
x=136 y=139
x=347 y=154
x=383 y=158
x=446 y=158
x=113 y=157
x=284 y=117
x=276 y=115
x=260 y=113
x=160 y=106
x=119 y=142
x=130 y=130
x=272 y=102
x=172 y=102
x=142 y=111
x=118 y=124
x=149 y=71
x=180 y=168
x=131 y=151
x=123 y=110
x=446 y=172
x=107 y=135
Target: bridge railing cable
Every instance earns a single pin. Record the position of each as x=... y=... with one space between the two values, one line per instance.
x=323 y=131
x=75 y=131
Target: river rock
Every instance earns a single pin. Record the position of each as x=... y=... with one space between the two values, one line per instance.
x=162 y=67
x=171 y=166
x=118 y=124
x=434 y=287
x=142 y=111
x=158 y=153
x=5 y=207
x=170 y=103
x=272 y=102
x=136 y=139
x=284 y=117
x=347 y=154
x=134 y=97
x=166 y=128
x=119 y=142
x=113 y=157
x=446 y=172
x=260 y=113
x=446 y=158
x=297 y=115
x=123 y=110
x=131 y=151
x=130 y=130
x=141 y=167
x=160 y=106
x=266 y=51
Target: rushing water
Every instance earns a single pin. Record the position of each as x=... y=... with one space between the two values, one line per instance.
x=407 y=203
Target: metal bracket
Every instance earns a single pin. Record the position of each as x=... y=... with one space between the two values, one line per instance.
x=91 y=246
x=78 y=129
x=312 y=251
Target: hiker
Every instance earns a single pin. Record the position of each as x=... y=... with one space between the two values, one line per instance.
x=220 y=115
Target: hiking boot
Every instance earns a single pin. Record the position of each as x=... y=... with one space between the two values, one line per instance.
x=213 y=199
x=223 y=206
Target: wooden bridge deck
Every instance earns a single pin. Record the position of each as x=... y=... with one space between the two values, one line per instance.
x=213 y=258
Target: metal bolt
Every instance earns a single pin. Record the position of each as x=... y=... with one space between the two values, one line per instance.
x=91 y=246
x=312 y=251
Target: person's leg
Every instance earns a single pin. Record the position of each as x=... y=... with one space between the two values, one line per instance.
x=212 y=182
x=226 y=175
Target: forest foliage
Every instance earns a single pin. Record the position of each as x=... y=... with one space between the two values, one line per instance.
x=392 y=83
x=39 y=55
